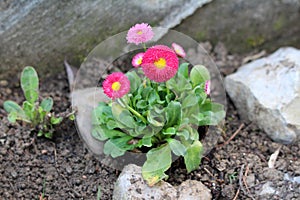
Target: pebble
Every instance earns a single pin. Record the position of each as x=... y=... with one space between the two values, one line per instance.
x=8 y=91
x=69 y=170
x=77 y=182
x=3 y=83
x=44 y=151
x=14 y=174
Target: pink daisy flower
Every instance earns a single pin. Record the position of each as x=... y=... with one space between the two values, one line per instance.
x=160 y=63
x=207 y=87
x=139 y=33
x=178 y=50
x=137 y=59
x=116 y=85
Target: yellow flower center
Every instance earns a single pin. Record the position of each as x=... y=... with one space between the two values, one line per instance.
x=140 y=32
x=160 y=63
x=116 y=86
x=139 y=61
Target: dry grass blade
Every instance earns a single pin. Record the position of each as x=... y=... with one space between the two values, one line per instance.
x=273 y=157
x=233 y=135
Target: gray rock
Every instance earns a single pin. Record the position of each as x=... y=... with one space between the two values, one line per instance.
x=267 y=92
x=193 y=190
x=267 y=189
x=244 y=25
x=295 y=179
x=42 y=33
x=131 y=185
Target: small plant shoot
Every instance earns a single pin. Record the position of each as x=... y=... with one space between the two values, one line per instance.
x=37 y=114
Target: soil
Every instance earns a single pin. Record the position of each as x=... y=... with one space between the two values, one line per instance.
x=63 y=168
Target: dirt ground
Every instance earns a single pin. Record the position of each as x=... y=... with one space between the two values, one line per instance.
x=62 y=168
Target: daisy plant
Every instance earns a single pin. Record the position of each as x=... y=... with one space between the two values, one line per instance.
x=157 y=108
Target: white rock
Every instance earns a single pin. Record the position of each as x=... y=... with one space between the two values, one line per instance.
x=267 y=92
x=193 y=190
x=267 y=189
x=131 y=185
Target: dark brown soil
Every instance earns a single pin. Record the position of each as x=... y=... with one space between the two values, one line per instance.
x=64 y=169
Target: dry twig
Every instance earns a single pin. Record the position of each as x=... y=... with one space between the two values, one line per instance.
x=237 y=194
x=208 y=172
x=244 y=179
x=233 y=135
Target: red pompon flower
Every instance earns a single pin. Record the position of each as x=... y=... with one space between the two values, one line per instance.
x=116 y=85
x=137 y=60
x=139 y=33
x=160 y=63
x=178 y=50
x=207 y=87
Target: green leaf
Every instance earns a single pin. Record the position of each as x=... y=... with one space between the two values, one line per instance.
x=173 y=114
x=11 y=106
x=111 y=124
x=177 y=148
x=122 y=115
x=189 y=101
x=158 y=161
x=111 y=148
x=15 y=112
x=153 y=97
x=102 y=114
x=147 y=141
x=40 y=134
x=29 y=110
x=101 y=132
x=48 y=135
x=184 y=133
x=47 y=104
x=212 y=113
x=135 y=81
x=146 y=92
x=141 y=104
x=199 y=74
x=170 y=131
x=156 y=119
x=183 y=84
x=72 y=117
x=55 y=120
x=122 y=142
x=193 y=156
x=30 y=84
x=12 y=117
x=184 y=70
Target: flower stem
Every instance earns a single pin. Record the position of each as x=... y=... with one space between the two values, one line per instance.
x=144 y=45
x=133 y=111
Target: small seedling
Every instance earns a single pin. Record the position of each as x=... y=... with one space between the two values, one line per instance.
x=32 y=112
x=99 y=193
x=42 y=195
x=232 y=177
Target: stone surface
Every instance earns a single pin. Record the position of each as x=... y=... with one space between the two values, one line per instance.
x=267 y=92
x=193 y=190
x=267 y=189
x=130 y=185
x=42 y=33
x=245 y=25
